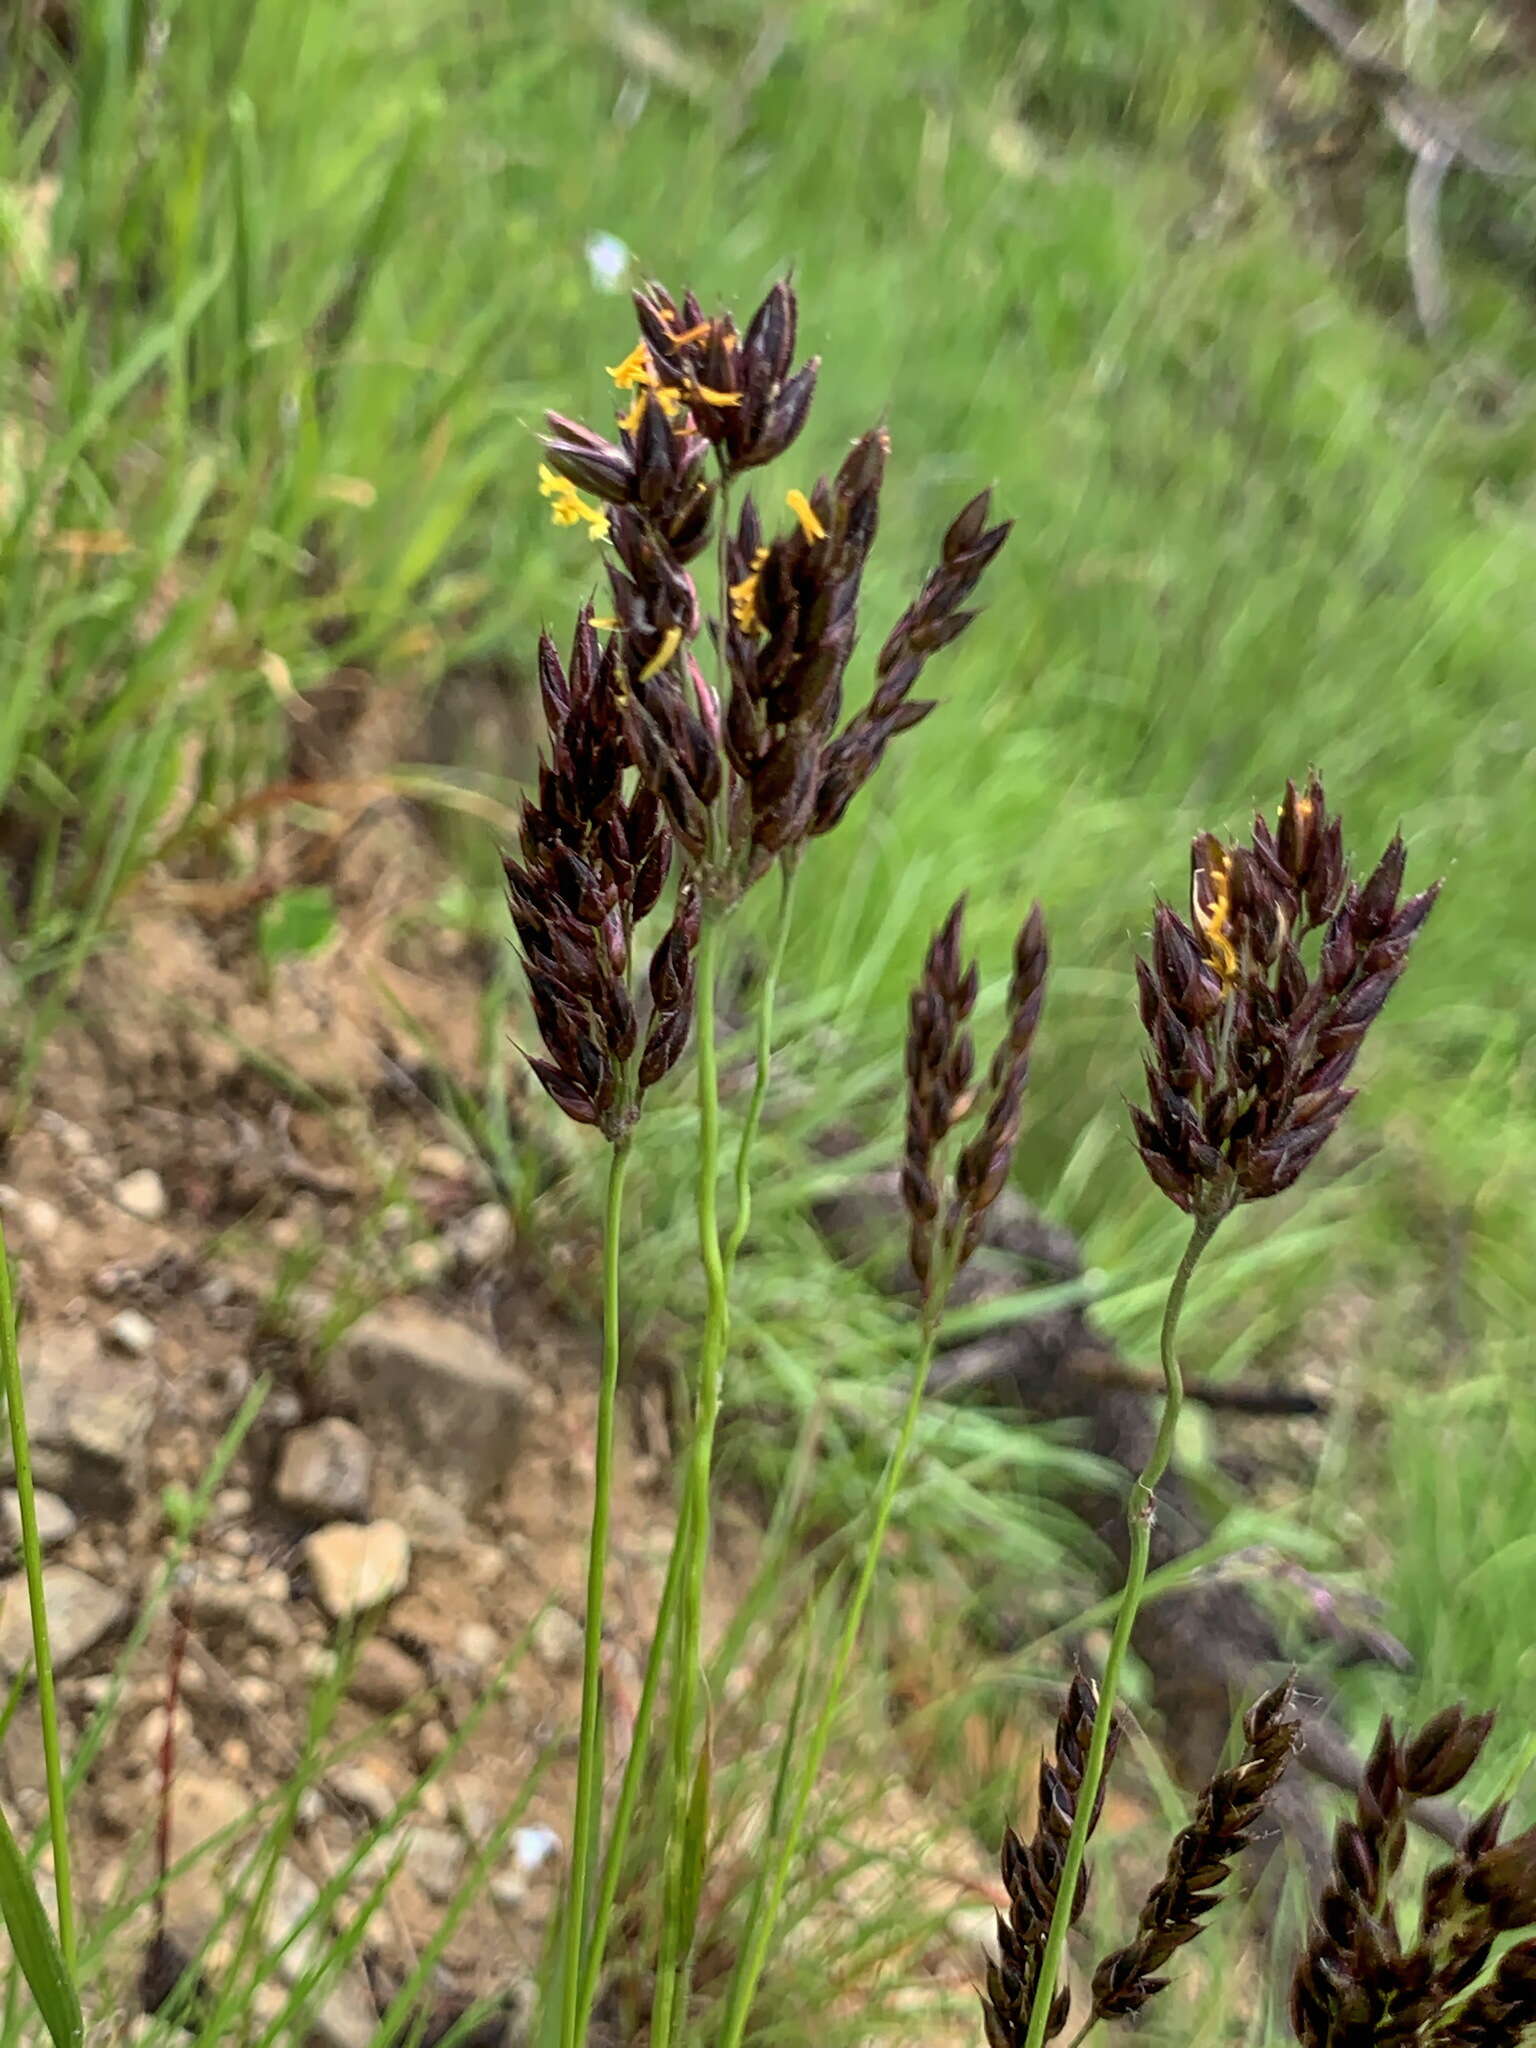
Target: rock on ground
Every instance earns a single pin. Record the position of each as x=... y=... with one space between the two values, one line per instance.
x=448 y=1396
x=208 y=1806
x=56 y=1521
x=141 y=1194
x=88 y=1417
x=326 y=1472
x=358 y=1566
x=436 y=1860
x=385 y=1678
x=557 y=1640
x=431 y=1520
x=81 y=1613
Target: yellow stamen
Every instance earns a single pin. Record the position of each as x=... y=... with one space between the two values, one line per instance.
x=695 y=333
x=567 y=507
x=805 y=512
x=606 y=624
x=670 y=401
x=744 y=596
x=709 y=397
x=671 y=640
x=634 y=370
x=1215 y=918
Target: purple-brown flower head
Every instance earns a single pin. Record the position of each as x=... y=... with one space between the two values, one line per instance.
x=1362 y=1978
x=1200 y=1860
x=1033 y=1873
x=748 y=770
x=592 y=861
x=939 y=1061
x=1251 y=1045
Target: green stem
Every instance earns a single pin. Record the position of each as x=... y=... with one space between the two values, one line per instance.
x=754 y=1953
x=765 y=1001
x=1140 y=1514
x=672 y=1959
x=634 y=1773
x=32 y=1559
x=589 y=1768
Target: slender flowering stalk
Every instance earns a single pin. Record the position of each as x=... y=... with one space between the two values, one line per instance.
x=591 y=865
x=589 y=1776
x=32 y=1567
x=940 y=1006
x=694 y=1533
x=1250 y=1048
x=762 y=1066
x=1140 y=1517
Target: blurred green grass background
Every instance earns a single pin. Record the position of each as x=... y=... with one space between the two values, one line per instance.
x=1063 y=249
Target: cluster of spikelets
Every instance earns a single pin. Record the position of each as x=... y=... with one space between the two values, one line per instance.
x=1361 y=1981
x=721 y=791
x=1251 y=1048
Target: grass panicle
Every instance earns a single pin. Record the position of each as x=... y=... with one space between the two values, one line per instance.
x=1200 y=1860
x=750 y=765
x=1033 y=1872
x=940 y=1057
x=592 y=863
x=1499 y=2013
x=1249 y=1052
x=1249 y=1049
x=1361 y=1979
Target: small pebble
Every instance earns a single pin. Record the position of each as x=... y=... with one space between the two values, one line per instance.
x=425 y=1262
x=365 y=1788
x=131 y=1332
x=479 y=1645
x=384 y=1677
x=436 y=1861
x=326 y=1471
x=508 y=1889
x=557 y=1640
x=443 y=1162
x=430 y=1519
x=357 y=1567
x=39 y=1219
x=71 y=1138
x=533 y=1847
x=149 y=1736
x=271 y=1625
x=484 y=1235
x=56 y=1521
x=142 y=1194
x=432 y=1743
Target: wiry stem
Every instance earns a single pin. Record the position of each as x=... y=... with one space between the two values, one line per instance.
x=1141 y=1512
x=754 y=1952
x=629 y=1786
x=696 y=1524
x=32 y=1562
x=589 y=1768
x=764 y=1063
